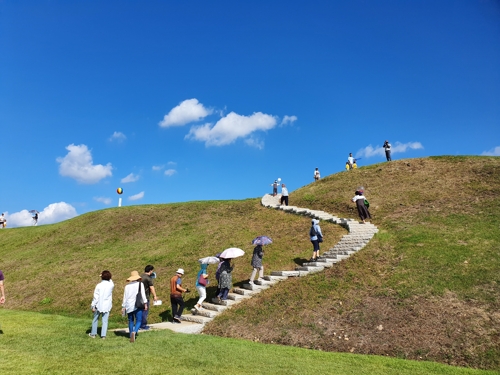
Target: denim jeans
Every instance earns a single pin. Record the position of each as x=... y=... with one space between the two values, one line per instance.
x=137 y=315
x=223 y=293
x=144 y=321
x=104 y=329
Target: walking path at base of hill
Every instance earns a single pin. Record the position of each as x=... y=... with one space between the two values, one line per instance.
x=359 y=235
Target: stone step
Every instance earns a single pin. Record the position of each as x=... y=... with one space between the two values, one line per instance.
x=204 y=312
x=310 y=269
x=286 y=273
x=275 y=278
x=213 y=307
x=195 y=319
x=245 y=292
x=318 y=264
x=255 y=287
x=236 y=297
x=264 y=282
x=227 y=302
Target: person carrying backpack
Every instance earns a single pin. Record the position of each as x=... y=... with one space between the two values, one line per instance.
x=316 y=237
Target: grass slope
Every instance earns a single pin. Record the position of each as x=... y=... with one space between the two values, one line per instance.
x=425 y=288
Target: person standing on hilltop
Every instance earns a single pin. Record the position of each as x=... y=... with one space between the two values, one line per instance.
x=387 y=149
x=316 y=174
x=284 y=195
x=3 y=221
x=275 y=188
x=350 y=160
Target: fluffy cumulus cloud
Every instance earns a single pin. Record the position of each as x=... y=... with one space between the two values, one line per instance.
x=53 y=213
x=136 y=196
x=493 y=152
x=170 y=172
x=117 y=137
x=130 y=178
x=398 y=147
x=231 y=127
x=78 y=164
x=188 y=111
x=104 y=200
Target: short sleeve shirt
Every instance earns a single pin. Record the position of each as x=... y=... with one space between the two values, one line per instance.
x=148 y=282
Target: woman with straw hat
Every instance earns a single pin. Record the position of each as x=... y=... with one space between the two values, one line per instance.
x=134 y=294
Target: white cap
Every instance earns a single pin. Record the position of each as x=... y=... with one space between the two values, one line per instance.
x=180 y=270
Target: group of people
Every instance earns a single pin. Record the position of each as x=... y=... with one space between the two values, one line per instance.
x=315 y=234
x=3 y=221
x=284 y=192
x=135 y=304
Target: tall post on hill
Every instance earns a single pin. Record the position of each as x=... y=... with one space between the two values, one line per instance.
x=120 y=192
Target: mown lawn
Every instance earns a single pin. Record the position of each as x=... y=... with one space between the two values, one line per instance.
x=34 y=343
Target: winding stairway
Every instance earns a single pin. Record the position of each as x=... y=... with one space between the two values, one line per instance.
x=357 y=238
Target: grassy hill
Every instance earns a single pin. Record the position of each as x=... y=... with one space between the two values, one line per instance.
x=426 y=287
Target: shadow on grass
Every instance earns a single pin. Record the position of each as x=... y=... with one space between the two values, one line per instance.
x=122 y=333
x=300 y=261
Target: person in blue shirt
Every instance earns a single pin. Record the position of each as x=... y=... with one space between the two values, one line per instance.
x=316 y=237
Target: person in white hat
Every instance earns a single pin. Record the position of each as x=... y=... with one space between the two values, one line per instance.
x=176 y=299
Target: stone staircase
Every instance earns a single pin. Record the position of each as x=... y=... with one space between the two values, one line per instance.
x=358 y=236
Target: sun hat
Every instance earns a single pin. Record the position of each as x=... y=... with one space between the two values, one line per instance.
x=134 y=275
x=180 y=270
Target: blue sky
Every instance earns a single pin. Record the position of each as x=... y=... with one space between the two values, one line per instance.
x=194 y=100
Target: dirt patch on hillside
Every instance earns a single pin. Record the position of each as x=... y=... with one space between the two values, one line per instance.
x=441 y=329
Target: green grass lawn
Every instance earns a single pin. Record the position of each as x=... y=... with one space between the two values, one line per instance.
x=34 y=343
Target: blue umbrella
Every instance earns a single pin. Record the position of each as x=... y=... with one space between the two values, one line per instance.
x=262 y=240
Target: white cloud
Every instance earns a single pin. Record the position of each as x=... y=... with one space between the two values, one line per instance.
x=53 y=213
x=170 y=172
x=77 y=164
x=188 y=111
x=103 y=200
x=118 y=137
x=172 y=163
x=130 y=178
x=254 y=142
x=158 y=167
x=493 y=152
x=397 y=147
x=288 y=120
x=231 y=127
x=136 y=197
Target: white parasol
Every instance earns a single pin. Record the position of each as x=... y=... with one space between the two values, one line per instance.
x=232 y=252
x=209 y=260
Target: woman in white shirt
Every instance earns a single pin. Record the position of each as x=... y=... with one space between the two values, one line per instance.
x=133 y=287
x=101 y=303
